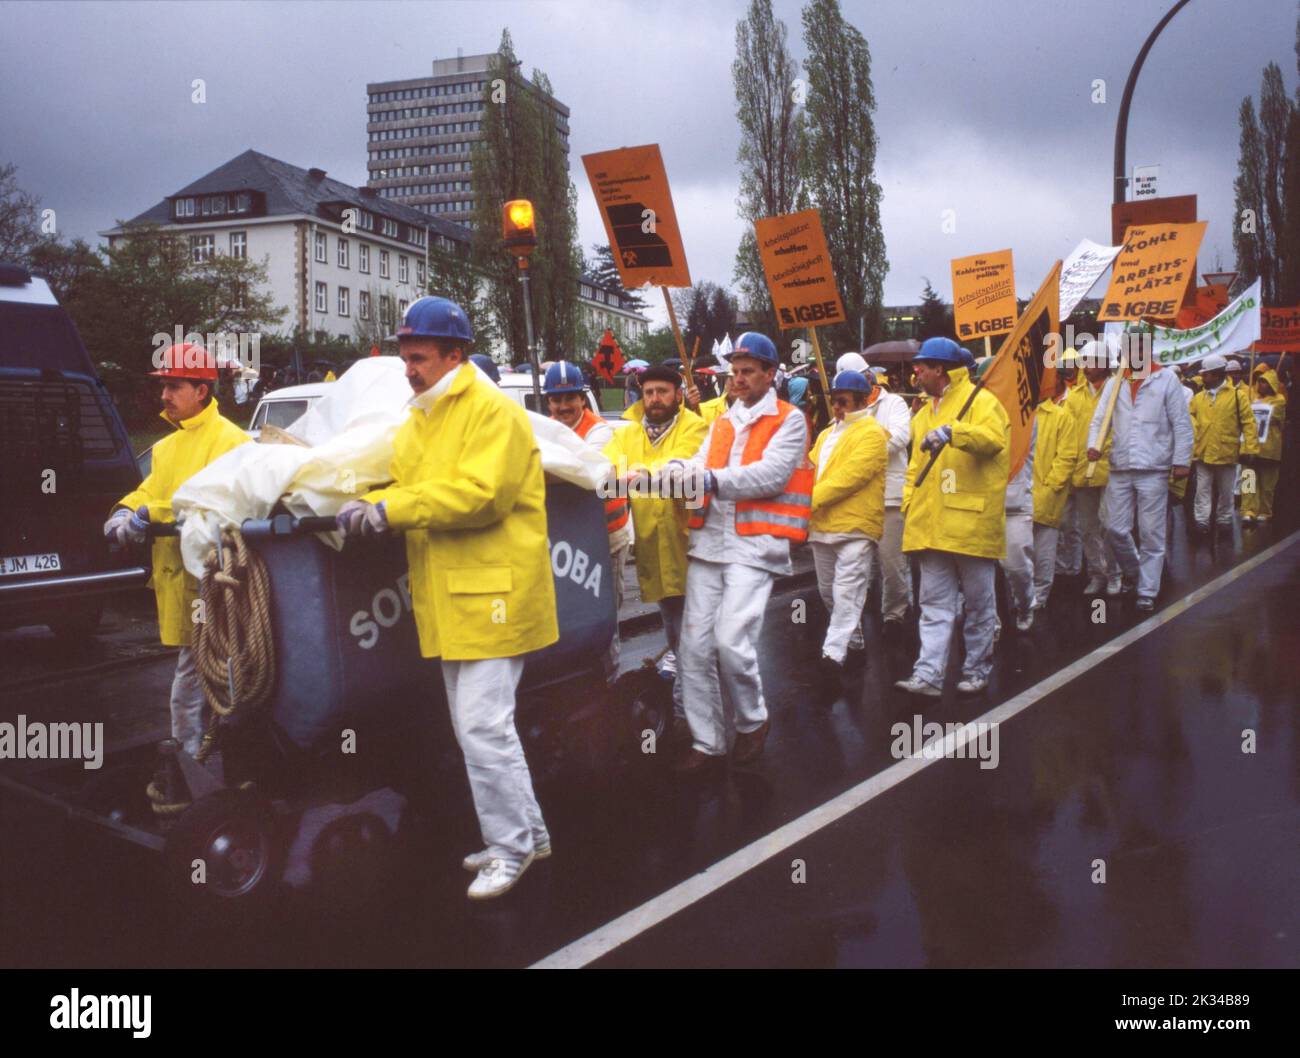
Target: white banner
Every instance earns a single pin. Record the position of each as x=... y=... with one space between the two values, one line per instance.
x=1081 y=271
x=1231 y=331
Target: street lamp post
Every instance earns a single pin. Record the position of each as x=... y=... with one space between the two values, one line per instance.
x=520 y=236
x=1121 y=126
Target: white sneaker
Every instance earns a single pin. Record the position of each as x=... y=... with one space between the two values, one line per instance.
x=1096 y=585
x=498 y=877
x=1024 y=624
x=668 y=666
x=1114 y=584
x=916 y=685
x=476 y=861
x=972 y=685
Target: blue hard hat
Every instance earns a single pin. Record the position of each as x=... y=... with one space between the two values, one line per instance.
x=433 y=317
x=798 y=390
x=759 y=346
x=563 y=377
x=851 y=381
x=488 y=366
x=944 y=351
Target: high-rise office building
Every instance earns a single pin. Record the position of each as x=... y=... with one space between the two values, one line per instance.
x=420 y=133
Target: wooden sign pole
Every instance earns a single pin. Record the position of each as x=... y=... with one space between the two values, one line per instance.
x=1105 y=422
x=672 y=319
x=821 y=371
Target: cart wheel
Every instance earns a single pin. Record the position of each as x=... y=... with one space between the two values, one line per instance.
x=222 y=856
x=649 y=700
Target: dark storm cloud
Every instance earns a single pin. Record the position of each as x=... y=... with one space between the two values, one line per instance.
x=983 y=107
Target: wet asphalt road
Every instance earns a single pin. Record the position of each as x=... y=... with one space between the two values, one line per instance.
x=1137 y=763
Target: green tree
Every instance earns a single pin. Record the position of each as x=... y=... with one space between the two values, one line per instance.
x=522 y=155
x=771 y=140
x=1260 y=187
x=706 y=310
x=19 y=225
x=935 y=315
x=839 y=164
x=453 y=274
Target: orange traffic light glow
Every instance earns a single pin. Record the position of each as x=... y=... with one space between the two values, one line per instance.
x=519 y=216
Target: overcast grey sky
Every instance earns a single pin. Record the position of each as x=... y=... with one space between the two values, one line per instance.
x=983 y=106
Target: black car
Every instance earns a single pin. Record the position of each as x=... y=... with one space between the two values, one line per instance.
x=65 y=459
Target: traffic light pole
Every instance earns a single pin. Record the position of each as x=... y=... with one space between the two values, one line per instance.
x=532 y=344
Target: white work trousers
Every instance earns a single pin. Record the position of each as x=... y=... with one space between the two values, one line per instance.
x=1019 y=563
x=190 y=711
x=1069 y=551
x=1146 y=494
x=617 y=570
x=1046 y=540
x=895 y=570
x=721 y=625
x=1219 y=480
x=481 y=695
x=1091 y=507
x=941 y=574
x=843 y=578
x=670 y=611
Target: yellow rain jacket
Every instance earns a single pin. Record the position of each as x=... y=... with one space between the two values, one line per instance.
x=849 y=494
x=1272 y=447
x=660 y=524
x=469 y=493
x=1081 y=403
x=177 y=458
x=712 y=409
x=961 y=506
x=1220 y=422
x=1055 y=457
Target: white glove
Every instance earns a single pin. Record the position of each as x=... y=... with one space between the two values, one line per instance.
x=359 y=518
x=122 y=528
x=937 y=438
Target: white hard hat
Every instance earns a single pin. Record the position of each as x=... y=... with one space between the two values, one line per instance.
x=851 y=362
x=1234 y=365
x=1213 y=362
x=724 y=365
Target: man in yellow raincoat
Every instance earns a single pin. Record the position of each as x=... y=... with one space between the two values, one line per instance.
x=956 y=519
x=848 y=514
x=662 y=429
x=189 y=375
x=1056 y=450
x=1257 y=502
x=1221 y=418
x=469 y=494
x=1088 y=495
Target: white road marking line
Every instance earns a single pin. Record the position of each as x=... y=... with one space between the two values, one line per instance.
x=619 y=931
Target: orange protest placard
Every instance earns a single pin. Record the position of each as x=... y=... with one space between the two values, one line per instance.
x=983 y=294
x=1152 y=272
x=797 y=266
x=1279 y=330
x=1022 y=375
x=631 y=189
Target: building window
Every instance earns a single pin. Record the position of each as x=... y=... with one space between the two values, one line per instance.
x=320 y=247
x=385 y=310
x=419 y=274
x=238 y=244
x=201 y=247
x=383 y=264
x=343 y=253
x=402 y=271
x=343 y=301
x=363 y=258
x=363 y=304
x=322 y=298
x=401 y=309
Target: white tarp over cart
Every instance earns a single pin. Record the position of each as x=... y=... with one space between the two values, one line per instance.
x=349 y=446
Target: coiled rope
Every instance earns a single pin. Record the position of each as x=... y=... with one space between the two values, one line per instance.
x=234 y=652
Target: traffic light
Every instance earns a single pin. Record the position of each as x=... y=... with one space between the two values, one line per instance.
x=517 y=227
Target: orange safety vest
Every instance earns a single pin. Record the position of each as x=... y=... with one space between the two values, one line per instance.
x=785 y=515
x=616 y=510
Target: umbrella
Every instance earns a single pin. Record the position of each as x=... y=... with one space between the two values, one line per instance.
x=635 y=365
x=892 y=352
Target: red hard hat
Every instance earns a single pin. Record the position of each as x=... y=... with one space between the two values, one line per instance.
x=186 y=361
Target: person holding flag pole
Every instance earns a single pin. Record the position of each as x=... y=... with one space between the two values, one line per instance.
x=1143 y=412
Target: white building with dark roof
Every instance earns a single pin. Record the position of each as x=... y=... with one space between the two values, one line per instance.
x=334 y=253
